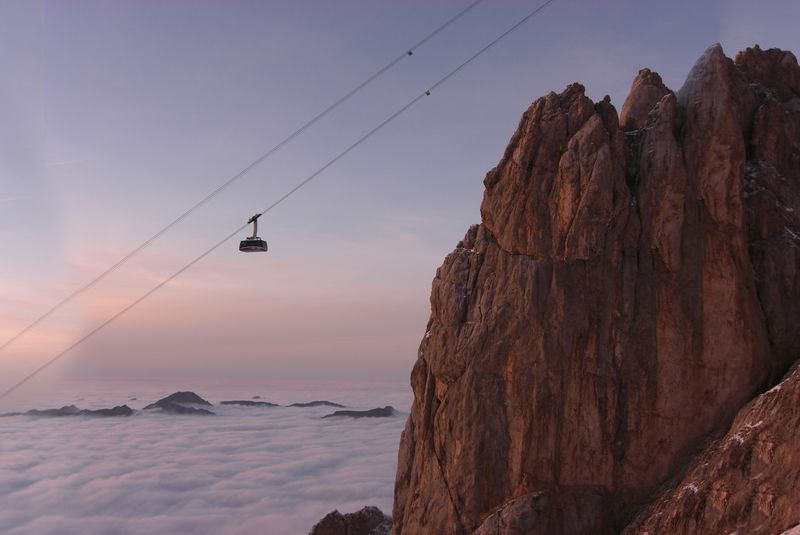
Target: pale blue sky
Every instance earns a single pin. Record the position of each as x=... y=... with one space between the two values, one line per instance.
x=118 y=115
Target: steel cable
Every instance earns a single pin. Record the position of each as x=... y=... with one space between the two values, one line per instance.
x=82 y=289
x=302 y=183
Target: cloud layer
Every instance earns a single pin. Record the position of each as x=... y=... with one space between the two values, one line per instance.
x=247 y=470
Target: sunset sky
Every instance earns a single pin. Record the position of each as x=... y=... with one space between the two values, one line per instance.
x=119 y=115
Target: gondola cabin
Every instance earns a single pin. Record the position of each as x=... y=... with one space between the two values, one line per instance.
x=253 y=244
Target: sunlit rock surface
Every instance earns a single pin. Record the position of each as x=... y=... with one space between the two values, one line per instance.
x=745 y=482
x=628 y=291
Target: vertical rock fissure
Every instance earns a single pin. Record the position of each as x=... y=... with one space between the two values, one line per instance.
x=633 y=146
x=443 y=474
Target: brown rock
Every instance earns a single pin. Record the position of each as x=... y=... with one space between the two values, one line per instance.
x=646 y=91
x=772 y=194
x=367 y=521
x=577 y=156
x=774 y=69
x=746 y=482
x=624 y=296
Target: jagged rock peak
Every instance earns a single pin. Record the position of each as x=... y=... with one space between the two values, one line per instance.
x=774 y=69
x=647 y=90
x=624 y=296
x=712 y=64
x=561 y=180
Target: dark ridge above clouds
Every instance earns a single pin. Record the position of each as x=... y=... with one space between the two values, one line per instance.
x=72 y=410
x=385 y=412
x=181 y=397
x=181 y=403
x=192 y=404
x=316 y=404
x=248 y=403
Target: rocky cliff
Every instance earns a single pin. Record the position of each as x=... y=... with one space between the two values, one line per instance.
x=635 y=281
x=746 y=482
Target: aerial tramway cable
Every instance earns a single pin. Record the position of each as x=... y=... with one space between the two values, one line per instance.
x=408 y=52
x=302 y=183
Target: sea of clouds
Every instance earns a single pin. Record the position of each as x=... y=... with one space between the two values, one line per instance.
x=247 y=470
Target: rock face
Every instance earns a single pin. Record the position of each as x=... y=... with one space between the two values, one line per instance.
x=745 y=482
x=367 y=521
x=384 y=412
x=647 y=89
x=627 y=292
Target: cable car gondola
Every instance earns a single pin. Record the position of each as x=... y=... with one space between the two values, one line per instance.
x=253 y=244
